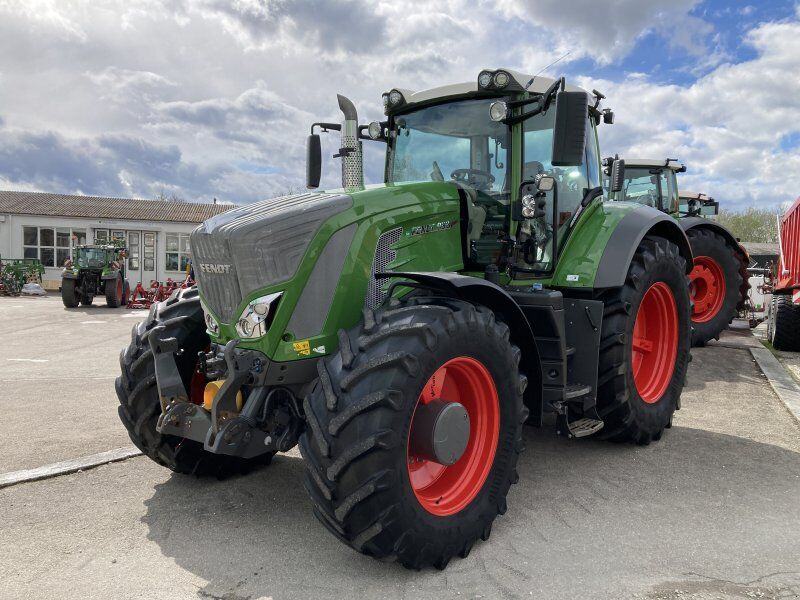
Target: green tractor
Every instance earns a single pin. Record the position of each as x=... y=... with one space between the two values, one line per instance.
x=719 y=281
x=95 y=270
x=403 y=333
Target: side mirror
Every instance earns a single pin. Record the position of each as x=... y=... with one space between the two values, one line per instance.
x=569 y=135
x=313 y=161
x=617 y=176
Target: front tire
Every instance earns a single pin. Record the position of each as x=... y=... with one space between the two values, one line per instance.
x=69 y=293
x=784 y=326
x=369 y=482
x=644 y=351
x=137 y=391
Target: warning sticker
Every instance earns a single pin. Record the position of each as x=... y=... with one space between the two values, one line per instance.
x=303 y=348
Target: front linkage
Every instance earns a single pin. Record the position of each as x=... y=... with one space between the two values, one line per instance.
x=267 y=421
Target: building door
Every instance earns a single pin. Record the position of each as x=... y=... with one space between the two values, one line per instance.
x=149 y=257
x=134 y=274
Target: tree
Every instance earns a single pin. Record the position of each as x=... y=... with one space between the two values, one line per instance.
x=163 y=196
x=752 y=224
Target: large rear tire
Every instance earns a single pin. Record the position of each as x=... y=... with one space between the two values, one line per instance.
x=784 y=326
x=369 y=482
x=644 y=352
x=717 y=282
x=115 y=292
x=69 y=293
x=136 y=389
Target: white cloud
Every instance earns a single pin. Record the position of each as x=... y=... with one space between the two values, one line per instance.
x=215 y=98
x=607 y=31
x=728 y=126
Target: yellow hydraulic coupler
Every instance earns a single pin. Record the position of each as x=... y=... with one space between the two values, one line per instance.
x=211 y=389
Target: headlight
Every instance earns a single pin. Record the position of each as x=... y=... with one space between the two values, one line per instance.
x=385 y=98
x=257 y=316
x=501 y=79
x=498 y=111
x=485 y=79
x=211 y=323
x=395 y=97
x=375 y=130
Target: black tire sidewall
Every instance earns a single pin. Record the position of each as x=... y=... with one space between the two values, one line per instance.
x=714 y=246
x=659 y=412
x=499 y=362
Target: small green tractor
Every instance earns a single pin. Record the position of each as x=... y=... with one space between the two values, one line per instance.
x=403 y=333
x=719 y=281
x=95 y=270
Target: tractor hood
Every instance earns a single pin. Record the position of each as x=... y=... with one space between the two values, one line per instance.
x=252 y=247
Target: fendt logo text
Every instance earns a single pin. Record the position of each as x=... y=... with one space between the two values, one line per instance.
x=216 y=269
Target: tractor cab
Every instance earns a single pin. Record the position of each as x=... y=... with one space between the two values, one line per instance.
x=651 y=182
x=496 y=139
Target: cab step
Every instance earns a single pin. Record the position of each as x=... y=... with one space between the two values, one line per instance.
x=576 y=390
x=584 y=427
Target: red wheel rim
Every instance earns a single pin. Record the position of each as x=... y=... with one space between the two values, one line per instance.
x=445 y=490
x=119 y=288
x=655 y=342
x=707 y=288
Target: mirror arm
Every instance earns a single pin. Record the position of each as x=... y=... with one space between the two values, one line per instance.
x=524 y=116
x=326 y=126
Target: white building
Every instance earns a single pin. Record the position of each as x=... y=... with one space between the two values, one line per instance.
x=47 y=226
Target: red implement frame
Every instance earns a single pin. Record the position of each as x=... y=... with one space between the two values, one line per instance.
x=144 y=298
x=787 y=280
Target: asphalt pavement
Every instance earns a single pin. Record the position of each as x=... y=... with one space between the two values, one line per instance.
x=710 y=511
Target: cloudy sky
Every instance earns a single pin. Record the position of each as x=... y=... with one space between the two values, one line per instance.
x=213 y=98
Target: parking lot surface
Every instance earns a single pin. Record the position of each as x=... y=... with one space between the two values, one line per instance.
x=710 y=511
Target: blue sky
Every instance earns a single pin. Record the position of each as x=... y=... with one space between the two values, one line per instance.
x=213 y=98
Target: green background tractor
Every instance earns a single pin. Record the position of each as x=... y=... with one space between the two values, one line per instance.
x=402 y=333
x=720 y=283
x=95 y=270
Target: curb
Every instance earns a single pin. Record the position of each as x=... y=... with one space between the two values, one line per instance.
x=781 y=381
x=68 y=466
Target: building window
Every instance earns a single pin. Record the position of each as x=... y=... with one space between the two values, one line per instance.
x=177 y=254
x=133 y=250
x=51 y=245
x=101 y=236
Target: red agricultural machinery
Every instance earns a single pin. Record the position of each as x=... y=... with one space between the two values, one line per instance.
x=783 y=328
x=144 y=297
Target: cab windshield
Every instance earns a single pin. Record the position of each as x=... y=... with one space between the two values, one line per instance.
x=90 y=257
x=455 y=141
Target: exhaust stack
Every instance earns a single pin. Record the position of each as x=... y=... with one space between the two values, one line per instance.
x=350 y=152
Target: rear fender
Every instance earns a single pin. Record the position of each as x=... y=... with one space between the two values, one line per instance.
x=690 y=223
x=485 y=293
x=626 y=237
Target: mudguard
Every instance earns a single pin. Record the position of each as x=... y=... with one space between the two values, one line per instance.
x=701 y=223
x=625 y=239
x=486 y=293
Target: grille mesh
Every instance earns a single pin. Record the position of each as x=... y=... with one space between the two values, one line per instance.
x=384 y=254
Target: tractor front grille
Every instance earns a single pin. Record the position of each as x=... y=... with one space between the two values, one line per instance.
x=384 y=255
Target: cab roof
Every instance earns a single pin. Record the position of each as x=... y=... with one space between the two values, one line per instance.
x=517 y=84
x=669 y=163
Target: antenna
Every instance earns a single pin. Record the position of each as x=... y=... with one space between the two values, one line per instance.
x=559 y=59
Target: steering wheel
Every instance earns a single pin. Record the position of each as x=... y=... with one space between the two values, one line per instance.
x=474 y=177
